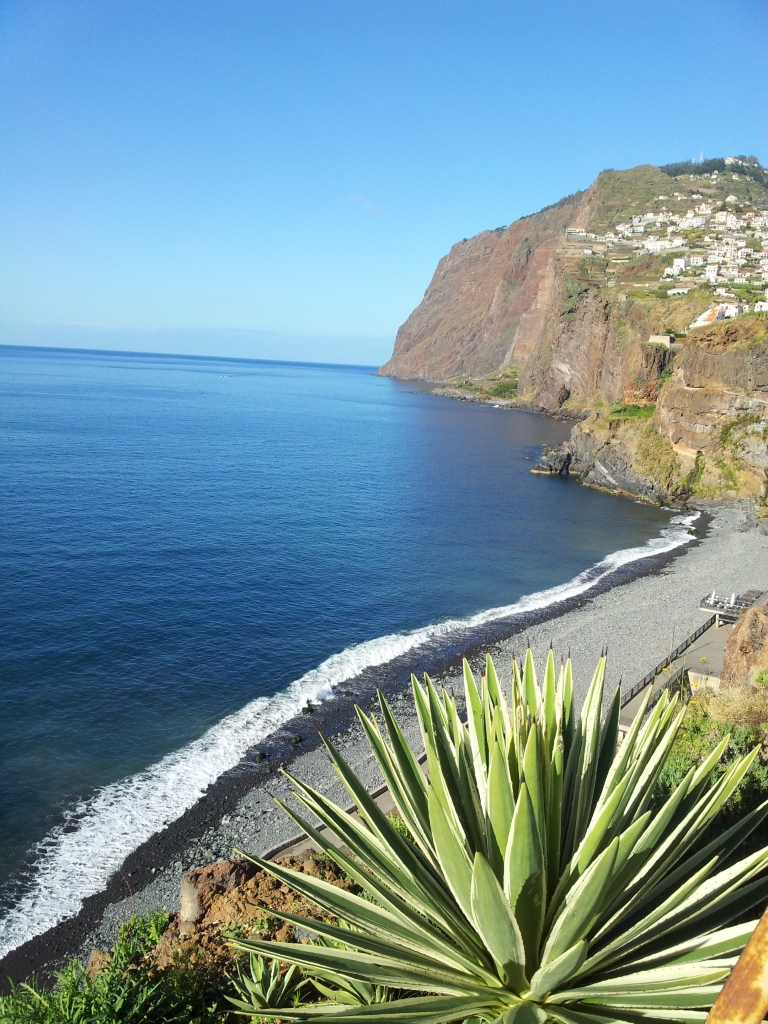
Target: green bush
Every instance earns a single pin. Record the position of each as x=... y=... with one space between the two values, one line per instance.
x=699 y=734
x=126 y=990
x=505 y=388
x=620 y=411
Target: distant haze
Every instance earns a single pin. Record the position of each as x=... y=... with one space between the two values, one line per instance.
x=223 y=342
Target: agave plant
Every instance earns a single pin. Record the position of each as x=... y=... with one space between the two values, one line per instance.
x=541 y=882
x=266 y=988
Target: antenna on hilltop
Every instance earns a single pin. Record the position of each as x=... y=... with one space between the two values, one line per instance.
x=701 y=157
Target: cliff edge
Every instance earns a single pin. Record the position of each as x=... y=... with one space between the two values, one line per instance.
x=584 y=309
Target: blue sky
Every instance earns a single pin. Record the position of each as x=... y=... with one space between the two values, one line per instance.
x=293 y=170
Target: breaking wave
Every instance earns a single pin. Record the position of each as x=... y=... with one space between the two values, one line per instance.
x=77 y=859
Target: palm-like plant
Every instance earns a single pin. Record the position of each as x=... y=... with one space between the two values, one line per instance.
x=540 y=883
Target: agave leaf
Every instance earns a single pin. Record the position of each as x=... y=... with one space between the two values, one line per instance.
x=558 y=971
x=712 y=944
x=525 y=884
x=370 y=936
x=625 y=753
x=554 y=813
x=496 y=923
x=581 y=906
x=494 y=690
x=638 y=927
x=408 y=906
x=602 y=825
x=609 y=735
x=567 y=705
x=416 y=1010
x=578 y=786
x=384 y=851
x=585 y=1015
x=374 y=969
x=728 y=840
x=670 y=978
x=533 y=773
x=691 y=998
x=452 y=854
x=659 y=866
x=550 y=702
x=643 y=779
x=640 y=932
x=522 y=1013
x=411 y=777
x=500 y=807
x=530 y=685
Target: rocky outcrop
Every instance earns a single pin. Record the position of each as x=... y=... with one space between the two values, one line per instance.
x=717 y=404
x=236 y=897
x=526 y=297
x=745 y=660
x=606 y=461
x=570 y=323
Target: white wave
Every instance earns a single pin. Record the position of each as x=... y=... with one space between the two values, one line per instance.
x=77 y=859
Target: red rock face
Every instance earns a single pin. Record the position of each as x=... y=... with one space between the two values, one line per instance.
x=487 y=303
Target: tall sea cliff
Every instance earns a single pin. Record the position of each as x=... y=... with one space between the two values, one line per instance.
x=584 y=309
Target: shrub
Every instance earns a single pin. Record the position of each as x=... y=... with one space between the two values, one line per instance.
x=127 y=989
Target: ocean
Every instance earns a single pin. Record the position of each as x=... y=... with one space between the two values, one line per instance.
x=191 y=548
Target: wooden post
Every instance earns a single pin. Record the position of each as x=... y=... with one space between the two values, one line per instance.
x=744 y=996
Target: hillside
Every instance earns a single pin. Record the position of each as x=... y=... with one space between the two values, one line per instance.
x=555 y=312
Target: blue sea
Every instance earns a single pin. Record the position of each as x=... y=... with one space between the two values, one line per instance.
x=190 y=548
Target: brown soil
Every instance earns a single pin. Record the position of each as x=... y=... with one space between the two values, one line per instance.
x=237 y=899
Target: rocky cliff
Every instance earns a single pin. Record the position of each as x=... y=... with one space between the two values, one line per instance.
x=555 y=313
x=485 y=301
x=707 y=435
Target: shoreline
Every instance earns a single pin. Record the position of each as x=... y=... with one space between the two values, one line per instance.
x=237 y=810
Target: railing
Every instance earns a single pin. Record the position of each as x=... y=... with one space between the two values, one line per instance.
x=649 y=678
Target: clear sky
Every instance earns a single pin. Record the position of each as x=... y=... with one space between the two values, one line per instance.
x=292 y=170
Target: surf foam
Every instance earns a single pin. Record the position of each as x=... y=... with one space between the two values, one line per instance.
x=77 y=859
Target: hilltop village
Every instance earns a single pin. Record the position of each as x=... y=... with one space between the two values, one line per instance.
x=716 y=244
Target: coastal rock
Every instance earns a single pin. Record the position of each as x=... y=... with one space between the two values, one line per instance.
x=97 y=962
x=570 y=316
x=483 y=306
x=746 y=653
x=555 y=461
x=531 y=297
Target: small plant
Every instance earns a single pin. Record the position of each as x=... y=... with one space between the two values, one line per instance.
x=657 y=457
x=267 y=987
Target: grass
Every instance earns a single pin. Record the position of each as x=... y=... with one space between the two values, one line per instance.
x=127 y=989
x=657 y=457
x=620 y=411
x=506 y=387
x=574 y=293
